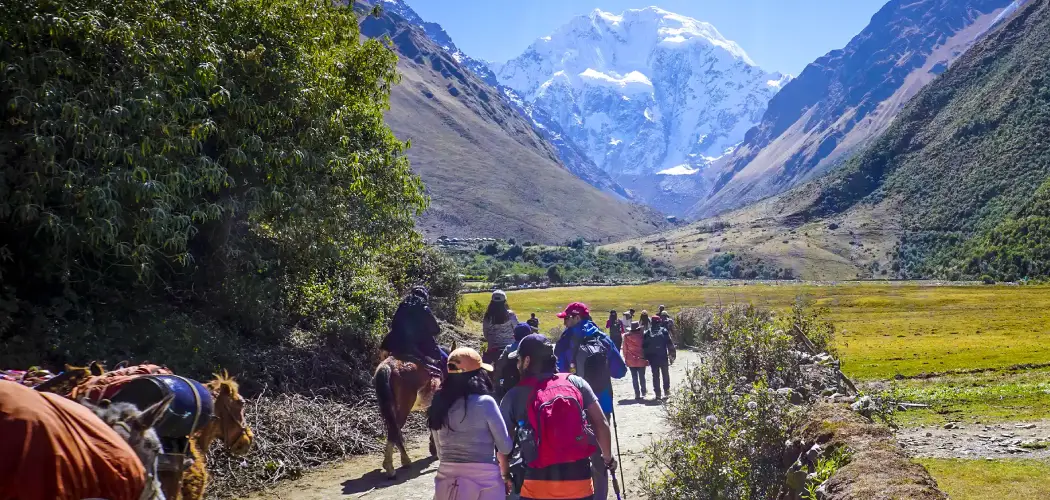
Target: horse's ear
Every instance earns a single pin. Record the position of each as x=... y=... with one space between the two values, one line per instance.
x=454 y=345
x=152 y=415
x=97 y=368
x=122 y=364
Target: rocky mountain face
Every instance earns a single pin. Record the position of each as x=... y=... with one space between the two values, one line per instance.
x=845 y=98
x=652 y=97
x=487 y=170
x=571 y=155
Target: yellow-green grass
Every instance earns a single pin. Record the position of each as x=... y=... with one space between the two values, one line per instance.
x=987 y=397
x=885 y=329
x=991 y=479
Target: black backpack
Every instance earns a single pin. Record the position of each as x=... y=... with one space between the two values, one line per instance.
x=592 y=363
x=653 y=344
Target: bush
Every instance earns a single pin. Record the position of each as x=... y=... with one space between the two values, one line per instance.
x=472 y=310
x=729 y=427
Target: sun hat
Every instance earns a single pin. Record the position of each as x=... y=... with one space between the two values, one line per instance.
x=466 y=360
x=575 y=309
x=636 y=326
x=533 y=346
x=499 y=296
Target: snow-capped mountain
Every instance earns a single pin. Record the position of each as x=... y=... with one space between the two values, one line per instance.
x=643 y=93
x=570 y=154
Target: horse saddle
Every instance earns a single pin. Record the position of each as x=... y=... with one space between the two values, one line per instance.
x=191 y=409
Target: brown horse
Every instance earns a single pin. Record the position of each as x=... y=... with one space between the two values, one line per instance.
x=227 y=423
x=402 y=386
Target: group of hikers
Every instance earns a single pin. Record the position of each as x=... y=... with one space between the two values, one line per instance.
x=530 y=418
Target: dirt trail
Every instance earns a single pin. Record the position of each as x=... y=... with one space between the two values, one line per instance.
x=361 y=477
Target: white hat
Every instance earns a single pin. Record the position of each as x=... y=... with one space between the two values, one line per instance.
x=499 y=296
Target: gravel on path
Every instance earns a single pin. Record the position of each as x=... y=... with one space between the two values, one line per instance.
x=969 y=440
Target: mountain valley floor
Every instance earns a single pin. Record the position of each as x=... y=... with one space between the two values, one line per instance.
x=978 y=355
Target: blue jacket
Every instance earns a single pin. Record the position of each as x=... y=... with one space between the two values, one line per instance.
x=587 y=328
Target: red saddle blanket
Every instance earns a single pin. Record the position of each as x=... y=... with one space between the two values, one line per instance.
x=55 y=449
x=104 y=386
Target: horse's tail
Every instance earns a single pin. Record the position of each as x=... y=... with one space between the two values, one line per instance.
x=385 y=395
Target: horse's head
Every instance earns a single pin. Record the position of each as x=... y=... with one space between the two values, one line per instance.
x=136 y=427
x=229 y=411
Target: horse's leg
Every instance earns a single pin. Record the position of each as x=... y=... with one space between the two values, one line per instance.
x=388 y=460
x=406 y=399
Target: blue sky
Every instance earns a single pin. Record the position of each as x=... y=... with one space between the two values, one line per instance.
x=780 y=35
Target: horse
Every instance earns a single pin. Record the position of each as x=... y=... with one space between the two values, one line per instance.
x=136 y=427
x=402 y=386
x=58 y=448
x=227 y=423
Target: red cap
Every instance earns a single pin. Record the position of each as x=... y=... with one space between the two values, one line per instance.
x=574 y=309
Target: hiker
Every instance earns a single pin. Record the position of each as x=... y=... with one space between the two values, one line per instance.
x=660 y=353
x=534 y=322
x=498 y=326
x=635 y=359
x=468 y=428
x=506 y=370
x=585 y=351
x=615 y=328
x=643 y=319
x=414 y=330
x=557 y=422
x=668 y=323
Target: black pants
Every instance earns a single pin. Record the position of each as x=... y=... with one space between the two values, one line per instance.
x=638 y=379
x=657 y=371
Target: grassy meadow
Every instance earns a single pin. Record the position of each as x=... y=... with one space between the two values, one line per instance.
x=895 y=332
x=884 y=329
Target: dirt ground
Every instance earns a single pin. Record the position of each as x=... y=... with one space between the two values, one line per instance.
x=361 y=477
x=966 y=440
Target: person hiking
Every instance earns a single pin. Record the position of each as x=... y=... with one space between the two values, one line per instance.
x=585 y=351
x=668 y=323
x=558 y=425
x=615 y=328
x=498 y=326
x=506 y=370
x=414 y=330
x=468 y=429
x=660 y=353
x=534 y=322
x=635 y=359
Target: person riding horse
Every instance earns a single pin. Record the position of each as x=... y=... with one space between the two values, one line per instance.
x=414 y=331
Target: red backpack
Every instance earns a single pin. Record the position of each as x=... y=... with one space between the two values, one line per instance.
x=558 y=422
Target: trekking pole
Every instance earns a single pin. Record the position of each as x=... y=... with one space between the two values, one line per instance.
x=616 y=434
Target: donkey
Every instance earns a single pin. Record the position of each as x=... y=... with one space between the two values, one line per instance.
x=402 y=386
x=136 y=427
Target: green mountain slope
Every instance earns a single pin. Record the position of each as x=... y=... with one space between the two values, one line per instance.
x=963 y=162
x=958 y=187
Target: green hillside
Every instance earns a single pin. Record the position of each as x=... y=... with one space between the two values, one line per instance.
x=964 y=162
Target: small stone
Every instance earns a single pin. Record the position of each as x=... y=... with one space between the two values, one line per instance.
x=929 y=434
x=1025 y=426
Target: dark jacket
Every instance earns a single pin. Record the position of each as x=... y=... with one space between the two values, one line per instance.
x=657 y=346
x=413 y=331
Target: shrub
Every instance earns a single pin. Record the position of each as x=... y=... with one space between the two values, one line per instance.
x=472 y=309
x=729 y=427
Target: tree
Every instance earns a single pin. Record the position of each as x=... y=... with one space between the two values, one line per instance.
x=224 y=154
x=554 y=274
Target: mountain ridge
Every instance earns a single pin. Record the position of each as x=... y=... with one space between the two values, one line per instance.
x=644 y=92
x=846 y=97
x=487 y=171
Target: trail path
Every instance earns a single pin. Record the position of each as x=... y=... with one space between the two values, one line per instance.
x=361 y=477
x=966 y=440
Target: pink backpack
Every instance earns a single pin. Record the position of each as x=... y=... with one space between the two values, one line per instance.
x=559 y=423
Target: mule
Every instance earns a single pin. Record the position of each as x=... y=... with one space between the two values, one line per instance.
x=403 y=386
x=136 y=427
x=227 y=423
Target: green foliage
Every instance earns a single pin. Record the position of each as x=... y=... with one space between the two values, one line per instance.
x=827 y=466
x=731 y=265
x=473 y=310
x=964 y=161
x=728 y=427
x=181 y=179
x=509 y=263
